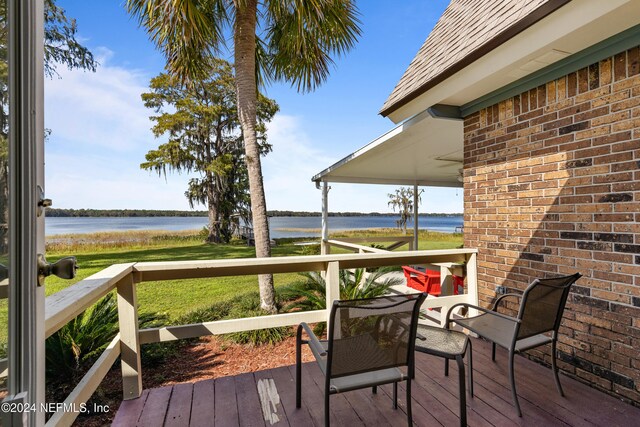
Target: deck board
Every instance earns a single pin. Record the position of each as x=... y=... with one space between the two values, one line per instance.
x=287 y=413
x=155 y=407
x=249 y=404
x=235 y=401
x=131 y=410
x=181 y=398
x=226 y=403
x=203 y=404
x=285 y=381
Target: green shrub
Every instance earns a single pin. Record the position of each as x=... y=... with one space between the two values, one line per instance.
x=247 y=305
x=310 y=250
x=77 y=344
x=310 y=294
x=203 y=234
x=75 y=347
x=216 y=311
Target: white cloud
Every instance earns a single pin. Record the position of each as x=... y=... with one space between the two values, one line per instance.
x=100 y=109
x=288 y=169
x=99 y=182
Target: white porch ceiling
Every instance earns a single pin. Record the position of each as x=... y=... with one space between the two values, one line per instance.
x=426 y=150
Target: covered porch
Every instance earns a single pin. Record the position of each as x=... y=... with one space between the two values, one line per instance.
x=242 y=401
x=424 y=150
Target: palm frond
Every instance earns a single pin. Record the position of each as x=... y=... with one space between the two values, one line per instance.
x=304 y=35
x=188 y=32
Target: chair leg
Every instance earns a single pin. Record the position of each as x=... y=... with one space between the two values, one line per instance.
x=374 y=389
x=299 y=368
x=327 y=415
x=512 y=378
x=395 y=395
x=470 y=362
x=493 y=351
x=462 y=392
x=409 y=414
x=446 y=367
x=554 y=367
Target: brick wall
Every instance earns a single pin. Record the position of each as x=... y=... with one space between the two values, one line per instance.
x=552 y=186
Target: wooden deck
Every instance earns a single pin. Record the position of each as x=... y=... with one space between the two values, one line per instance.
x=235 y=401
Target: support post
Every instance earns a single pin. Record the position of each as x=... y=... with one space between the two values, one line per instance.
x=472 y=280
x=129 y=339
x=332 y=281
x=415 y=216
x=324 y=246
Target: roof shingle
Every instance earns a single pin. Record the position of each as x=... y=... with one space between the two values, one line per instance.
x=465 y=28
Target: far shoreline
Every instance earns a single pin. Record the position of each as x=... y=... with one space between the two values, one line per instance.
x=150 y=213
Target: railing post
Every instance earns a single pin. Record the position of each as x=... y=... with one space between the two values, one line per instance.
x=332 y=280
x=129 y=340
x=472 y=278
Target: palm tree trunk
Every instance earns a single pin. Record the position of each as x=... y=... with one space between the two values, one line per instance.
x=246 y=92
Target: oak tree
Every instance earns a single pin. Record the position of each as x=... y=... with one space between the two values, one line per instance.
x=203 y=129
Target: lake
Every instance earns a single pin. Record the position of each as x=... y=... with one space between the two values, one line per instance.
x=282 y=226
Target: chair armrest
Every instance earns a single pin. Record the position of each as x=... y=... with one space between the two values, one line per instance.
x=484 y=310
x=501 y=297
x=313 y=341
x=412 y=270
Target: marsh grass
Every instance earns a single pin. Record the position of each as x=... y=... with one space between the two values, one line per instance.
x=134 y=239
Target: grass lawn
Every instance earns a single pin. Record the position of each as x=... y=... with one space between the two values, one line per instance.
x=178 y=297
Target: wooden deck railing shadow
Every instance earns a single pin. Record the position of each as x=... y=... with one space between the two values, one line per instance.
x=65 y=305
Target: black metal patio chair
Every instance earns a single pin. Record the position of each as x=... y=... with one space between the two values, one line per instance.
x=537 y=323
x=370 y=343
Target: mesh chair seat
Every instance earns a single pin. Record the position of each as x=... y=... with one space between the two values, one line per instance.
x=441 y=342
x=500 y=331
x=366 y=379
x=496 y=329
x=532 y=342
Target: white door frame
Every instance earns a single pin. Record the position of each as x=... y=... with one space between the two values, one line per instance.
x=26 y=380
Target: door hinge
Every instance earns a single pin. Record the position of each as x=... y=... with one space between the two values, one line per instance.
x=42 y=202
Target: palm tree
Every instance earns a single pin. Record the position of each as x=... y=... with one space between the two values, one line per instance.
x=297 y=39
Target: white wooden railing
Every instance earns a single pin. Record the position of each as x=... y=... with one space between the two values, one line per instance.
x=353 y=244
x=65 y=305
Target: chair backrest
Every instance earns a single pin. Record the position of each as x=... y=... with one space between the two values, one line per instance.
x=371 y=334
x=542 y=305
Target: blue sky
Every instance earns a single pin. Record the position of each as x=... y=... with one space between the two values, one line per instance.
x=101 y=131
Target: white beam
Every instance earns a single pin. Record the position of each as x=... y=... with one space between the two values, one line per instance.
x=325 y=218
x=415 y=216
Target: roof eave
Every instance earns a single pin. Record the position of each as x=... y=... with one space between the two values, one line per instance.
x=543 y=11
